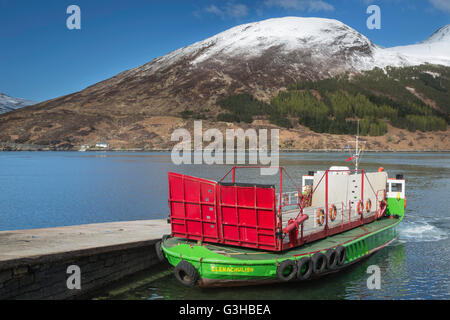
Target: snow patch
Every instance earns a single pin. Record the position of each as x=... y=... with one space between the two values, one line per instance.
x=8 y=103
x=435 y=50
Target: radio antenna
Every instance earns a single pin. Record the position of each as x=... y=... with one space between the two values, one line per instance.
x=356 y=157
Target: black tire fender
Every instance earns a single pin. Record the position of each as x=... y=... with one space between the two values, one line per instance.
x=341 y=254
x=159 y=251
x=319 y=262
x=186 y=273
x=307 y=263
x=158 y=248
x=331 y=259
x=287 y=265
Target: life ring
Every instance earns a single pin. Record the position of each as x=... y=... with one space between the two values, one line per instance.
x=360 y=207
x=186 y=273
x=304 y=268
x=368 y=205
x=320 y=216
x=287 y=270
x=319 y=262
x=341 y=254
x=332 y=212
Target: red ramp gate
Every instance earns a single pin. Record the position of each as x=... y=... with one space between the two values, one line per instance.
x=229 y=213
x=247 y=214
x=193 y=208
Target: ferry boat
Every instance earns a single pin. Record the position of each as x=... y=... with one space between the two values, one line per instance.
x=234 y=233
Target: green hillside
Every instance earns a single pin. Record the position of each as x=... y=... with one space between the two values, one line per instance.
x=413 y=98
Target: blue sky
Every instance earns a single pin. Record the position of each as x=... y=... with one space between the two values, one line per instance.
x=41 y=59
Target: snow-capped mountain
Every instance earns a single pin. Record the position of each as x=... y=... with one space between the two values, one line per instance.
x=310 y=40
x=299 y=41
x=8 y=103
x=262 y=56
x=435 y=50
x=441 y=35
x=259 y=58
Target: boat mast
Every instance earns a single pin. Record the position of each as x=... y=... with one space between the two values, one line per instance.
x=356 y=148
x=358 y=151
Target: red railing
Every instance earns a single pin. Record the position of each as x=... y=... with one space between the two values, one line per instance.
x=252 y=215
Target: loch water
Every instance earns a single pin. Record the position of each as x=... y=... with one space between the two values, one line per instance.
x=49 y=189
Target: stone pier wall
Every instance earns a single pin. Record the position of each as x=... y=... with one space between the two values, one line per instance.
x=46 y=277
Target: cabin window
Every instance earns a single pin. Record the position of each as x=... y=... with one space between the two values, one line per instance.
x=396 y=187
x=309 y=182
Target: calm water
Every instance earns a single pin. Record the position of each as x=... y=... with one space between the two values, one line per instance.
x=46 y=189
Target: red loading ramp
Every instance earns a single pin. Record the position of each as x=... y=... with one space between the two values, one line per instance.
x=193 y=211
x=228 y=213
x=248 y=216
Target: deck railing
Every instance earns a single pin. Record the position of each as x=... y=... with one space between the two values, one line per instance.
x=259 y=216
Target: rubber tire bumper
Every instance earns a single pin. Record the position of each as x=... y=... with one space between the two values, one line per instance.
x=331 y=259
x=159 y=251
x=319 y=262
x=282 y=267
x=341 y=254
x=186 y=273
x=305 y=261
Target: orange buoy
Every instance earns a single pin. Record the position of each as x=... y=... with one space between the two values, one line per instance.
x=360 y=207
x=320 y=216
x=368 y=205
x=332 y=212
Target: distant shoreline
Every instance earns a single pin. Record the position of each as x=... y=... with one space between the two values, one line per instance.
x=10 y=147
x=281 y=151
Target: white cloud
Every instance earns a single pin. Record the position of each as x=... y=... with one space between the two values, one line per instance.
x=303 y=5
x=231 y=9
x=237 y=10
x=443 y=5
x=213 y=9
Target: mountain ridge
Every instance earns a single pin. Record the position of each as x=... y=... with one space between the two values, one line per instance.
x=8 y=103
x=273 y=54
x=439 y=35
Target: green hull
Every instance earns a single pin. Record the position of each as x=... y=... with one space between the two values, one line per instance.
x=226 y=266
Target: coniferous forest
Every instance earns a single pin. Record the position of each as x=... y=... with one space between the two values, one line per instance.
x=413 y=98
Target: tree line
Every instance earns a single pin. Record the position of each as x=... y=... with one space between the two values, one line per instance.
x=334 y=105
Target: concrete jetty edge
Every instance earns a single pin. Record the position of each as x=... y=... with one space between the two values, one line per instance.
x=34 y=263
